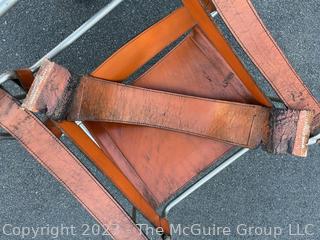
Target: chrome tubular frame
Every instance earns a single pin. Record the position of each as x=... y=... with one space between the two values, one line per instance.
x=202 y=181
x=5 y=5
x=68 y=40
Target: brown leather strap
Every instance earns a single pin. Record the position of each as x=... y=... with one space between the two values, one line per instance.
x=216 y=38
x=249 y=30
x=25 y=77
x=102 y=161
x=208 y=6
x=105 y=101
x=145 y=46
x=66 y=168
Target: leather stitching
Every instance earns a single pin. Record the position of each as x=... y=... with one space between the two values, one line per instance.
x=72 y=156
x=136 y=39
x=175 y=94
x=253 y=59
x=279 y=50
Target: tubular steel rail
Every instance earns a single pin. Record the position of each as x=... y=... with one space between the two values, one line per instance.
x=5 y=5
x=68 y=40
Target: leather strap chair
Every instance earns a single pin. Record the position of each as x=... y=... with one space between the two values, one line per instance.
x=147 y=164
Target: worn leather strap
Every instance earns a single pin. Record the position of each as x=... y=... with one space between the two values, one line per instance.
x=249 y=30
x=101 y=160
x=55 y=92
x=106 y=101
x=25 y=78
x=213 y=34
x=66 y=168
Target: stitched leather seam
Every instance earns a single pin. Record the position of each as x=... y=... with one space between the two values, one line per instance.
x=177 y=130
x=159 y=218
x=138 y=37
x=254 y=89
x=253 y=59
x=206 y=55
x=176 y=94
x=71 y=155
x=2 y=97
x=280 y=51
x=246 y=50
x=52 y=172
x=132 y=167
x=168 y=128
x=162 y=60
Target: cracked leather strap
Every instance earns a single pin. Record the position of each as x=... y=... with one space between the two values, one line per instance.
x=106 y=101
x=65 y=97
x=98 y=157
x=249 y=30
x=66 y=168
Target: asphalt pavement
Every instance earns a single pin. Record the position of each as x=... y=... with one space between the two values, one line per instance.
x=276 y=194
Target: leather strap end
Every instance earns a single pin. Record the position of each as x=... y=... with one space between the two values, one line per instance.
x=304 y=127
x=289 y=132
x=51 y=91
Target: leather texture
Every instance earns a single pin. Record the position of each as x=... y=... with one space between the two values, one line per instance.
x=98 y=100
x=66 y=168
x=55 y=95
x=229 y=122
x=104 y=163
x=146 y=45
x=55 y=91
x=163 y=160
x=166 y=161
x=290 y=131
x=213 y=34
x=245 y=24
x=135 y=191
x=25 y=79
x=156 y=162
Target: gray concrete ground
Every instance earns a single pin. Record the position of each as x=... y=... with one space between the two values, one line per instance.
x=259 y=190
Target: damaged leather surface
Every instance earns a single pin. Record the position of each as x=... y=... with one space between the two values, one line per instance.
x=64 y=97
x=66 y=168
x=253 y=36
